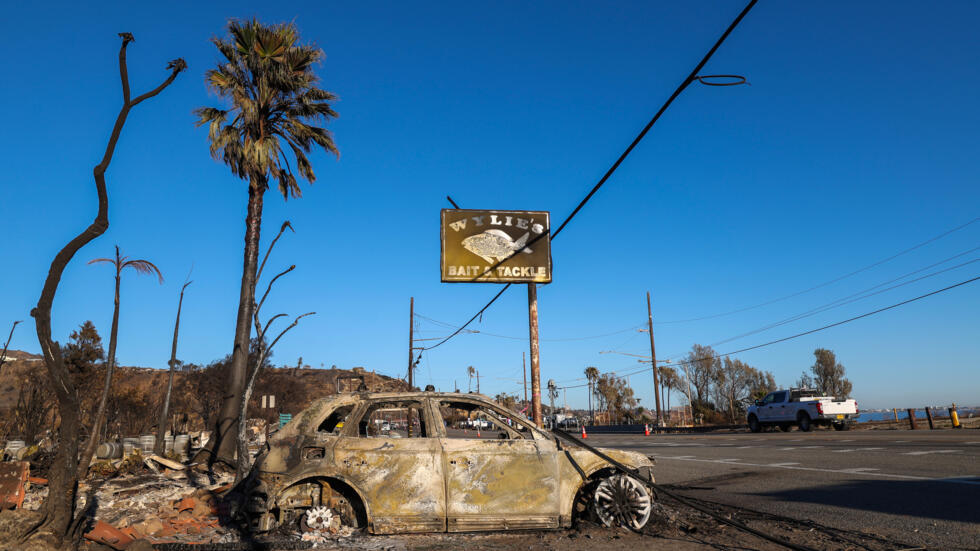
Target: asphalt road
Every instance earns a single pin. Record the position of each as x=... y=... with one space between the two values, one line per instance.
x=920 y=487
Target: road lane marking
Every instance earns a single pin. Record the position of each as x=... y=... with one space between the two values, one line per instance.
x=857 y=450
x=859 y=470
x=787 y=449
x=810 y=447
x=848 y=440
x=931 y=451
x=899 y=441
x=744 y=447
x=969 y=480
x=726 y=460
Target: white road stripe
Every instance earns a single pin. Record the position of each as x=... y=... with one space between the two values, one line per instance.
x=927 y=452
x=857 y=450
x=969 y=480
x=859 y=470
x=787 y=449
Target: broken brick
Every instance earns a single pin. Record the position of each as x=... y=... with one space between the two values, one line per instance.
x=13 y=476
x=108 y=534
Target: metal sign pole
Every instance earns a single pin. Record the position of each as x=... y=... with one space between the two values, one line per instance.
x=532 y=318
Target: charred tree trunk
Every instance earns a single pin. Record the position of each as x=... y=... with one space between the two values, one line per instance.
x=88 y=450
x=223 y=446
x=158 y=447
x=59 y=507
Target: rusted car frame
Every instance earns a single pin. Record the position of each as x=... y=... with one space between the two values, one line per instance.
x=413 y=477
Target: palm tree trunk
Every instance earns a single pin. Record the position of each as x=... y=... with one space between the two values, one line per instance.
x=222 y=445
x=93 y=439
x=159 y=447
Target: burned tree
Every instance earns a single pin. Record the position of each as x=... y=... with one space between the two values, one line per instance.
x=3 y=355
x=159 y=446
x=59 y=508
x=264 y=350
x=267 y=77
x=120 y=263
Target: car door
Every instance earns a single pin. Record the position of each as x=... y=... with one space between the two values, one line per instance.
x=779 y=406
x=499 y=477
x=765 y=411
x=393 y=458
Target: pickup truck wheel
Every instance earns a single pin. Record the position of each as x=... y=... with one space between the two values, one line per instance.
x=754 y=424
x=803 y=421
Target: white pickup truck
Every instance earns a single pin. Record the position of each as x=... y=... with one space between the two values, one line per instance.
x=803 y=408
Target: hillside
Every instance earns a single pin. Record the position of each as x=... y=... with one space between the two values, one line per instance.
x=138 y=391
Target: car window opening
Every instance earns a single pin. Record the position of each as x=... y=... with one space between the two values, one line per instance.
x=335 y=421
x=466 y=420
x=393 y=420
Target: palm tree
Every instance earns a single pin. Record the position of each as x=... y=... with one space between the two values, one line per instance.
x=592 y=374
x=267 y=78
x=120 y=263
x=470 y=371
x=668 y=381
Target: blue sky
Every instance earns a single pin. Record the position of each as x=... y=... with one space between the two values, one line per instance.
x=856 y=140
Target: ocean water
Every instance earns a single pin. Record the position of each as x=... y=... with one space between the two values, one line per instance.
x=964 y=413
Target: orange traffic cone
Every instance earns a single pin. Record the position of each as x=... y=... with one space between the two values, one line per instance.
x=478 y=435
x=584 y=436
x=646 y=430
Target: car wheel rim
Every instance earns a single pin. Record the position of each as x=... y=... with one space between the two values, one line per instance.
x=622 y=500
x=317 y=518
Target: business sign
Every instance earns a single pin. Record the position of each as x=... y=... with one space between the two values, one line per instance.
x=496 y=246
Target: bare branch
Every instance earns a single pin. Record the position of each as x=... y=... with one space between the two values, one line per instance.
x=3 y=355
x=282 y=228
x=175 y=66
x=123 y=72
x=284 y=331
x=268 y=324
x=269 y=287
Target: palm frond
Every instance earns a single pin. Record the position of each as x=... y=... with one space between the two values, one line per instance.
x=144 y=267
x=268 y=78
x=102 y=260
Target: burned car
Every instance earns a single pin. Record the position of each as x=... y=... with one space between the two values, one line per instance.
x=436 y=462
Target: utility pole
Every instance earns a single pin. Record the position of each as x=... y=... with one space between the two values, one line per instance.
x=524 y=365
x=653 y=357
x=477 y=381
x=532 y=318
x=411 y=341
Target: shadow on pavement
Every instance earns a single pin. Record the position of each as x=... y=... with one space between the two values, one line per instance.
x=928 y=499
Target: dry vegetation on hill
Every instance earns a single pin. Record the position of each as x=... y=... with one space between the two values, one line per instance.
x=137 y=393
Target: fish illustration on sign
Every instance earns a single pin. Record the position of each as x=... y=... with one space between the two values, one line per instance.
x=495 y=244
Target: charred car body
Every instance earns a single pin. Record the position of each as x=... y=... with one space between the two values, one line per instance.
x=412 y=462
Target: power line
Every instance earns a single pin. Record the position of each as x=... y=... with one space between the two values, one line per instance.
x=562 y=339
x=848 y=300
x=680 y=88
x=826 y=283
x=784 y=339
